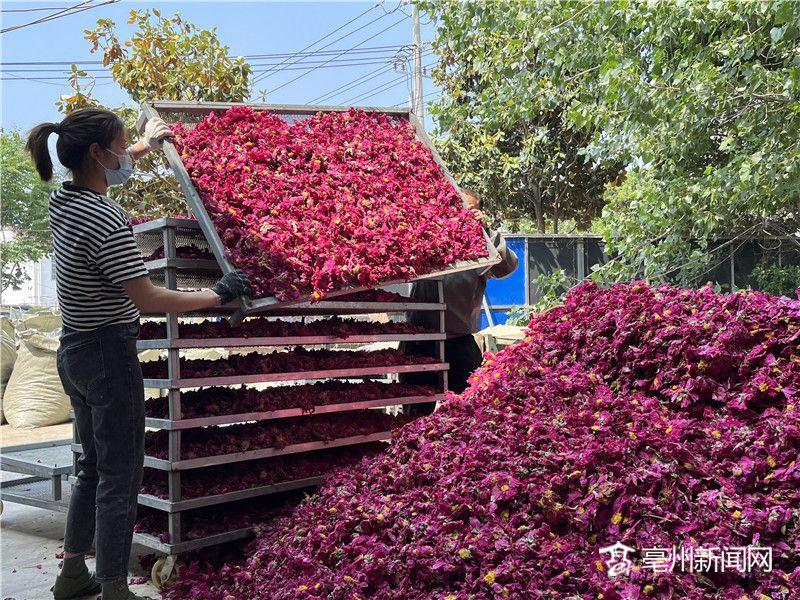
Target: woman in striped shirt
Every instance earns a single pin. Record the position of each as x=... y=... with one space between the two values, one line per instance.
x=102 y=285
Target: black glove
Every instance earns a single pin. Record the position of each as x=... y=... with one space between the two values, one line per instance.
x=231 y=286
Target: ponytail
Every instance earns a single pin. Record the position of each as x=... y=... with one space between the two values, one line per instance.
x=37 y=146
x=76 y=133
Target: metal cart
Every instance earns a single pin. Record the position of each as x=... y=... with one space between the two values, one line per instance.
x=46 y=464
x=181 y=273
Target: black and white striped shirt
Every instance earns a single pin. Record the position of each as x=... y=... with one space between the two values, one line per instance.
x=94 y=252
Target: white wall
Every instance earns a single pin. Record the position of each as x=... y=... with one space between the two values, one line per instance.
x=39 y=290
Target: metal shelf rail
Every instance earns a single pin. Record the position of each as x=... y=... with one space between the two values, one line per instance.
x=47 y=463
x=182 y=273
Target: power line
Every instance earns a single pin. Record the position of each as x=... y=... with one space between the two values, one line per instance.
x=347 y=62
x=22 y=10
x=354 y=59
x=367 y=50
x=356 y=18
x=322 y=51
x=347 y=86
x=361 y=80
x=17 y=78
x=395 y=9
x=100 y=77
x=64 y=13
x=59 y=12
x=340 y=38
x=64 y=79
x=376 y=91
x=336 y=65
x=437 y=93
x=283 y=85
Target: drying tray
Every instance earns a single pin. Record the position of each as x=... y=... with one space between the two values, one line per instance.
x=42 y=459
x=163 y=464
x=191 y=112
x=154 y=543
x=191 y=423
x=197 y=382
x=198 y=273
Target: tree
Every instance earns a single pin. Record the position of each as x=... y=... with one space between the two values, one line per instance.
x=702 y=103
x=503 y=125
x=698 y=101
x=23 y=212
x=165 y=59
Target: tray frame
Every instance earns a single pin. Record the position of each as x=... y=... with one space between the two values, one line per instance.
x=167 y=108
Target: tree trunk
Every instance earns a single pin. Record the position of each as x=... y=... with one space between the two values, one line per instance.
x=538 y=209
x=556 y=213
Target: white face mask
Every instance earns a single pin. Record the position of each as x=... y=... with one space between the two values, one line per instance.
x=122 y=173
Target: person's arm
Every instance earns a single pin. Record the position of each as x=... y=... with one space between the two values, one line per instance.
x=509 y=261
x=155 y=131
x=150 y=298
x=119 y=259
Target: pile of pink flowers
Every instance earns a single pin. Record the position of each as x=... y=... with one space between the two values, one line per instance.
x=212 y=441
x=262 y=327
x=294 y=361
x=663 y=419
x=230 y=401
x=340 y=199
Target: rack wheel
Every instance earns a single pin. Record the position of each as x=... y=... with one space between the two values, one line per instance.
x=164 y=571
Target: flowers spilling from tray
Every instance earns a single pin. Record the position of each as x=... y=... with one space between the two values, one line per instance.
x=340 y=199
x=666 y=420
x=263 y=327
x=306 y=397
x=298 y=360
x=210 y=481
x=211 y=441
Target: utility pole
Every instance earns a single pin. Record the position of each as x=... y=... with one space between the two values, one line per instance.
x=418 y=107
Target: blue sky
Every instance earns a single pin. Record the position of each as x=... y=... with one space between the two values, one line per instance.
x=248 y=28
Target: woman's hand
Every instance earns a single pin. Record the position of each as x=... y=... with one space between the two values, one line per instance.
x=155 y=131
x=231 y=286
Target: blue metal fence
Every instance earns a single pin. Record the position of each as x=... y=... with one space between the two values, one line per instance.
x=540 y=255
x=577 y=254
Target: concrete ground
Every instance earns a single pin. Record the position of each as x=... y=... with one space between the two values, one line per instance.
x=31 y=537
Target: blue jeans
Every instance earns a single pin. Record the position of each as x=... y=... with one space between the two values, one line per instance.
x=101 y=375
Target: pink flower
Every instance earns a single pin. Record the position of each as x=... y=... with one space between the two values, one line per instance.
x=337 y=200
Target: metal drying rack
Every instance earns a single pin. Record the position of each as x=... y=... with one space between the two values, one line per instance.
x=182 y=273
x=174 y=272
